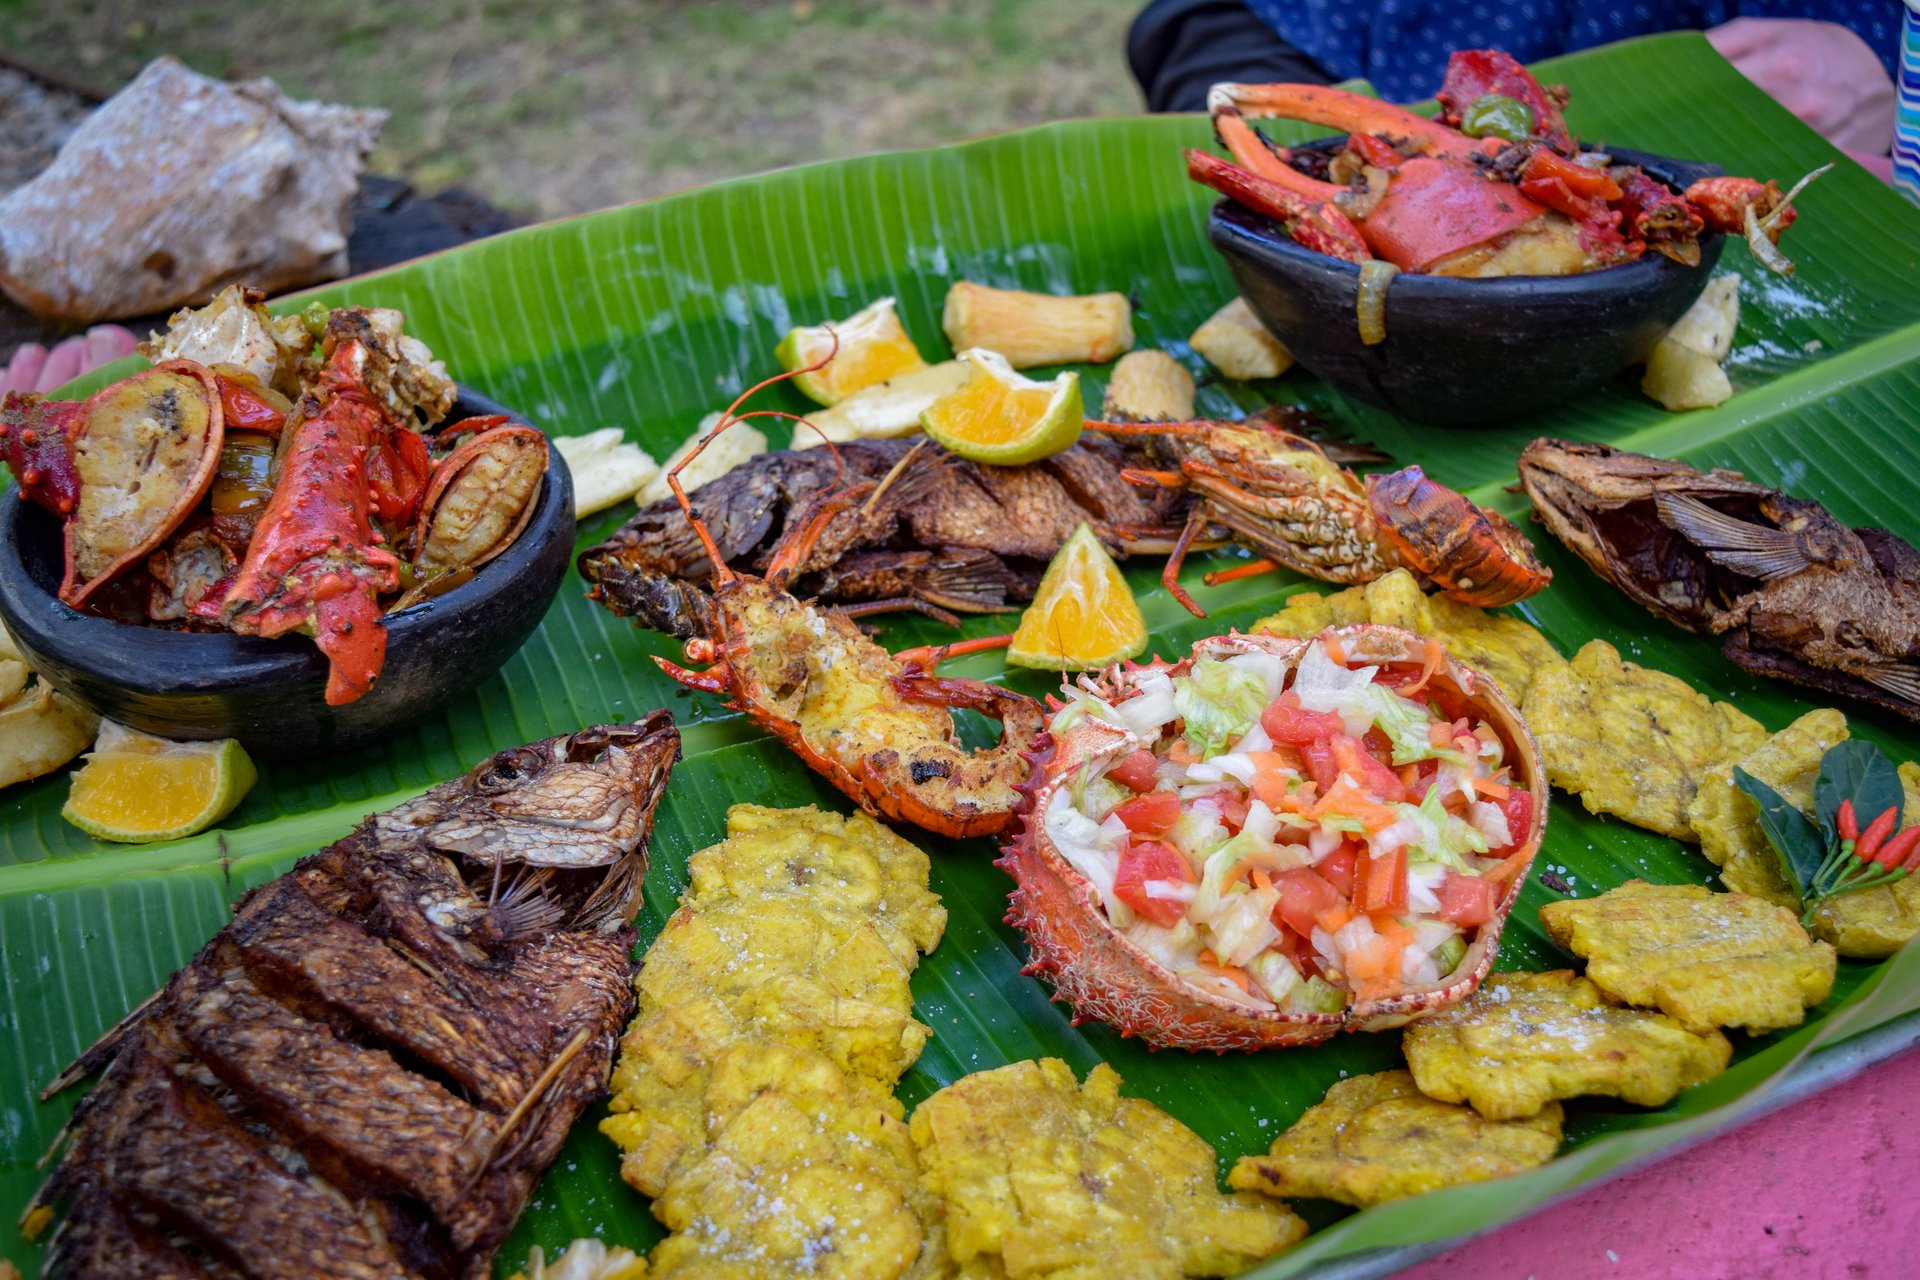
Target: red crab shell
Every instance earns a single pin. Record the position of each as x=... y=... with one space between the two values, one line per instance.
x=1103 y=976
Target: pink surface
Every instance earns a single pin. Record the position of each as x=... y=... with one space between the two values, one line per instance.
x=1827 y=1188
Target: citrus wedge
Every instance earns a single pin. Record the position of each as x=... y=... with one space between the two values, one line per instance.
x=874 y=346
x=1004 y=419
x=136 y=789
x=1083 y=616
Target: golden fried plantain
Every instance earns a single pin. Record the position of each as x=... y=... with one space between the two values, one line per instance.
x=753 y=1097
x=1044 y=1177
x=1631 y=741
x=1707 y=959
x=1504 y=647
x=1378 y=1138
x=1524 y=1039
x=1868 y=924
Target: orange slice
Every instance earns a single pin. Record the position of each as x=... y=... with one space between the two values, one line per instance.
x=1083 y=615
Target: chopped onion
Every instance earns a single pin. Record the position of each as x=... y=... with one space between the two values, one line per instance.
x=1375 y=276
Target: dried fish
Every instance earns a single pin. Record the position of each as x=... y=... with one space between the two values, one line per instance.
x=364 y=1074
x=1798 y=595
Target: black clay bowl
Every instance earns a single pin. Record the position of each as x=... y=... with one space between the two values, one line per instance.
x=268 y=693
x=1463 y=351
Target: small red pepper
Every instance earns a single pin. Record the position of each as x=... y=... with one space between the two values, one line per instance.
x=1877 y=832
x=246 y=410
x=1894 y=852
x=1592 y=184
x=1849 y=825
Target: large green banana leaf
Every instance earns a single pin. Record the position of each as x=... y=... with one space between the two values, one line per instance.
x=649 y=316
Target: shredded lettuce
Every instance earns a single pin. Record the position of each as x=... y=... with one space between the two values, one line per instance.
x=1211 y=895
x=1197 y=833
x=1219 y=702
x=1096 y=796
x=1324 y=685
x=1274 y=974
x=1441 y=837
x=1080 y=705
x=1244 y=927
x=1149 y=710
x=1317 y=995
x=1091 y=848
x=1448 y=955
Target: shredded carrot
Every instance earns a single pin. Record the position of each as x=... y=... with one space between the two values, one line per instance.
x=1490 y=789
x=1348 y=800
x=1435 y=656
x=1260 y=880
x=1336 y=652
x=1237 y=976
x=1181 y=753
x=1505 y=871
x=1409 y=774
x=1388 y=927
x=1438 y=735
x=1334 y=918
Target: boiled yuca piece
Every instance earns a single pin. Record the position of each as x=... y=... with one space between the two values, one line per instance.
x=1031 y=329
x=884 y=410
x=1235 y=342
x=734 y=446
x=605 y=468
x=1148 y=386
x=1683 y=370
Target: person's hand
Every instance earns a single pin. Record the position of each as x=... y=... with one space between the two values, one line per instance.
x=34 y=368
x=1820 y=71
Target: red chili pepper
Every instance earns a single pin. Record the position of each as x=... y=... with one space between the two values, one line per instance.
x=1895 y=851
x=1849 y=825
x=1877 y=831
x=246 y=410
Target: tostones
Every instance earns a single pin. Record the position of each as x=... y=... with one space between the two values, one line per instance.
x=1869 y=924
x=1524 y=1039
x=1630 y=741
x=753 y=1096
x=1043 y=1177
x=1504 y=647
x=1708 y=959
x=1378 y=1138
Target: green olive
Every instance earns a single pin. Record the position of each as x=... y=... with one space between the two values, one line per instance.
x=1495 y=115
x=243 y=481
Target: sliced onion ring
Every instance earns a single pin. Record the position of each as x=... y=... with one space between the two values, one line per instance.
x=1763 y=233
x=1375 y=276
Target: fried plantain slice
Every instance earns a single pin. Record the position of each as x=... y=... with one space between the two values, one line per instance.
x=1524 y=1039
x=1707 y=959
x=1041 y=1176
x=1504 y=647
x=753 y=1096
x=1869 y=924
x=1377 y=1138
x=1630 y=741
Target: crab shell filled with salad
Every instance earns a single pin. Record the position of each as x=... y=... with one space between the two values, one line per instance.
x=1275 y=838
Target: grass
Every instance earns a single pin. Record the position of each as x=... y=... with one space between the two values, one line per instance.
x=550 y=109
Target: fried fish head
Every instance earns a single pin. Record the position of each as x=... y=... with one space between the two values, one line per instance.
x=1868 y=924
x=1525 y=1039
x=1043 y=1177
x=1630 y=741
x=1376 y=1138
x=1707 y=959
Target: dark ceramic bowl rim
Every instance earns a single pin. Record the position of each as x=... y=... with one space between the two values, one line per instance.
x=1626 y=277
x=214 y=661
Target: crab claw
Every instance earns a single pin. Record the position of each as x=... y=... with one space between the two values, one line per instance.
x=1346 y=112
x=1474 y=555
x=1314 y=224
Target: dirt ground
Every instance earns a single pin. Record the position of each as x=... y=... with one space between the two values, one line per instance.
x=549 y=109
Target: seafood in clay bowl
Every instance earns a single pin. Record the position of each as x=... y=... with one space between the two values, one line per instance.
x=1275 y=839
x=1484 y=264
x=172 y=533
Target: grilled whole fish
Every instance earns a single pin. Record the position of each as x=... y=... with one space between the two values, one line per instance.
x=364 y=1074
x=1797 y=594
x=932 y=531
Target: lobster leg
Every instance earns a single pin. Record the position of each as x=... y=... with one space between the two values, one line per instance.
x=1170 y=575
x=930 y=656
x=897 y=604
x=716 y=679
x=1251 y=569
x=1315 y=224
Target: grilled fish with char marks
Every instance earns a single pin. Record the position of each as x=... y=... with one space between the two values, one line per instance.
x=365 y=1073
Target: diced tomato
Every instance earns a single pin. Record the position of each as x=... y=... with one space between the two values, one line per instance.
x=243 y=409
x=1338 y=867
x=1320 y=763
x=1468 y=900
x=1518 y=808
x=1353 y=758
x=1379 y=745
x=1136 y=771
x=1304 y=896
x=1286 y=721
x=1146 y=860
x=1150 y=813
x=1383 y=883
x=1233 y=808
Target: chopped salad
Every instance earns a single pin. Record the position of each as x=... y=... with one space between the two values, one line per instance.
x=1295 y=833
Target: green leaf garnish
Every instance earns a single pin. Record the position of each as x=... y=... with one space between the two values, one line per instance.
x=1801 y=845
x=1860 y=771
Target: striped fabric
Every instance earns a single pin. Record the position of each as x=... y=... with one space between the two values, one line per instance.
x=1906 y=125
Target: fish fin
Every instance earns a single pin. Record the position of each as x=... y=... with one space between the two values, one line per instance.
x=1901 y=679
x=1752 y=549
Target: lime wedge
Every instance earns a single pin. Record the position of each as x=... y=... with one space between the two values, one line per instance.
x=874 y=346
x=1083 y=616
x=136 y=789
x=1003 y=418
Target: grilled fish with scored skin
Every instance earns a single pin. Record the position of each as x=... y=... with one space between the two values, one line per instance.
x=1798 y=595
x=365 y=1073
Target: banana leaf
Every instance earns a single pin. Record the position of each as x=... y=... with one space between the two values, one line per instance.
x=649 y=316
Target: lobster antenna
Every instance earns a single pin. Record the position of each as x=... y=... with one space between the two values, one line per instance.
x=721 y=573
